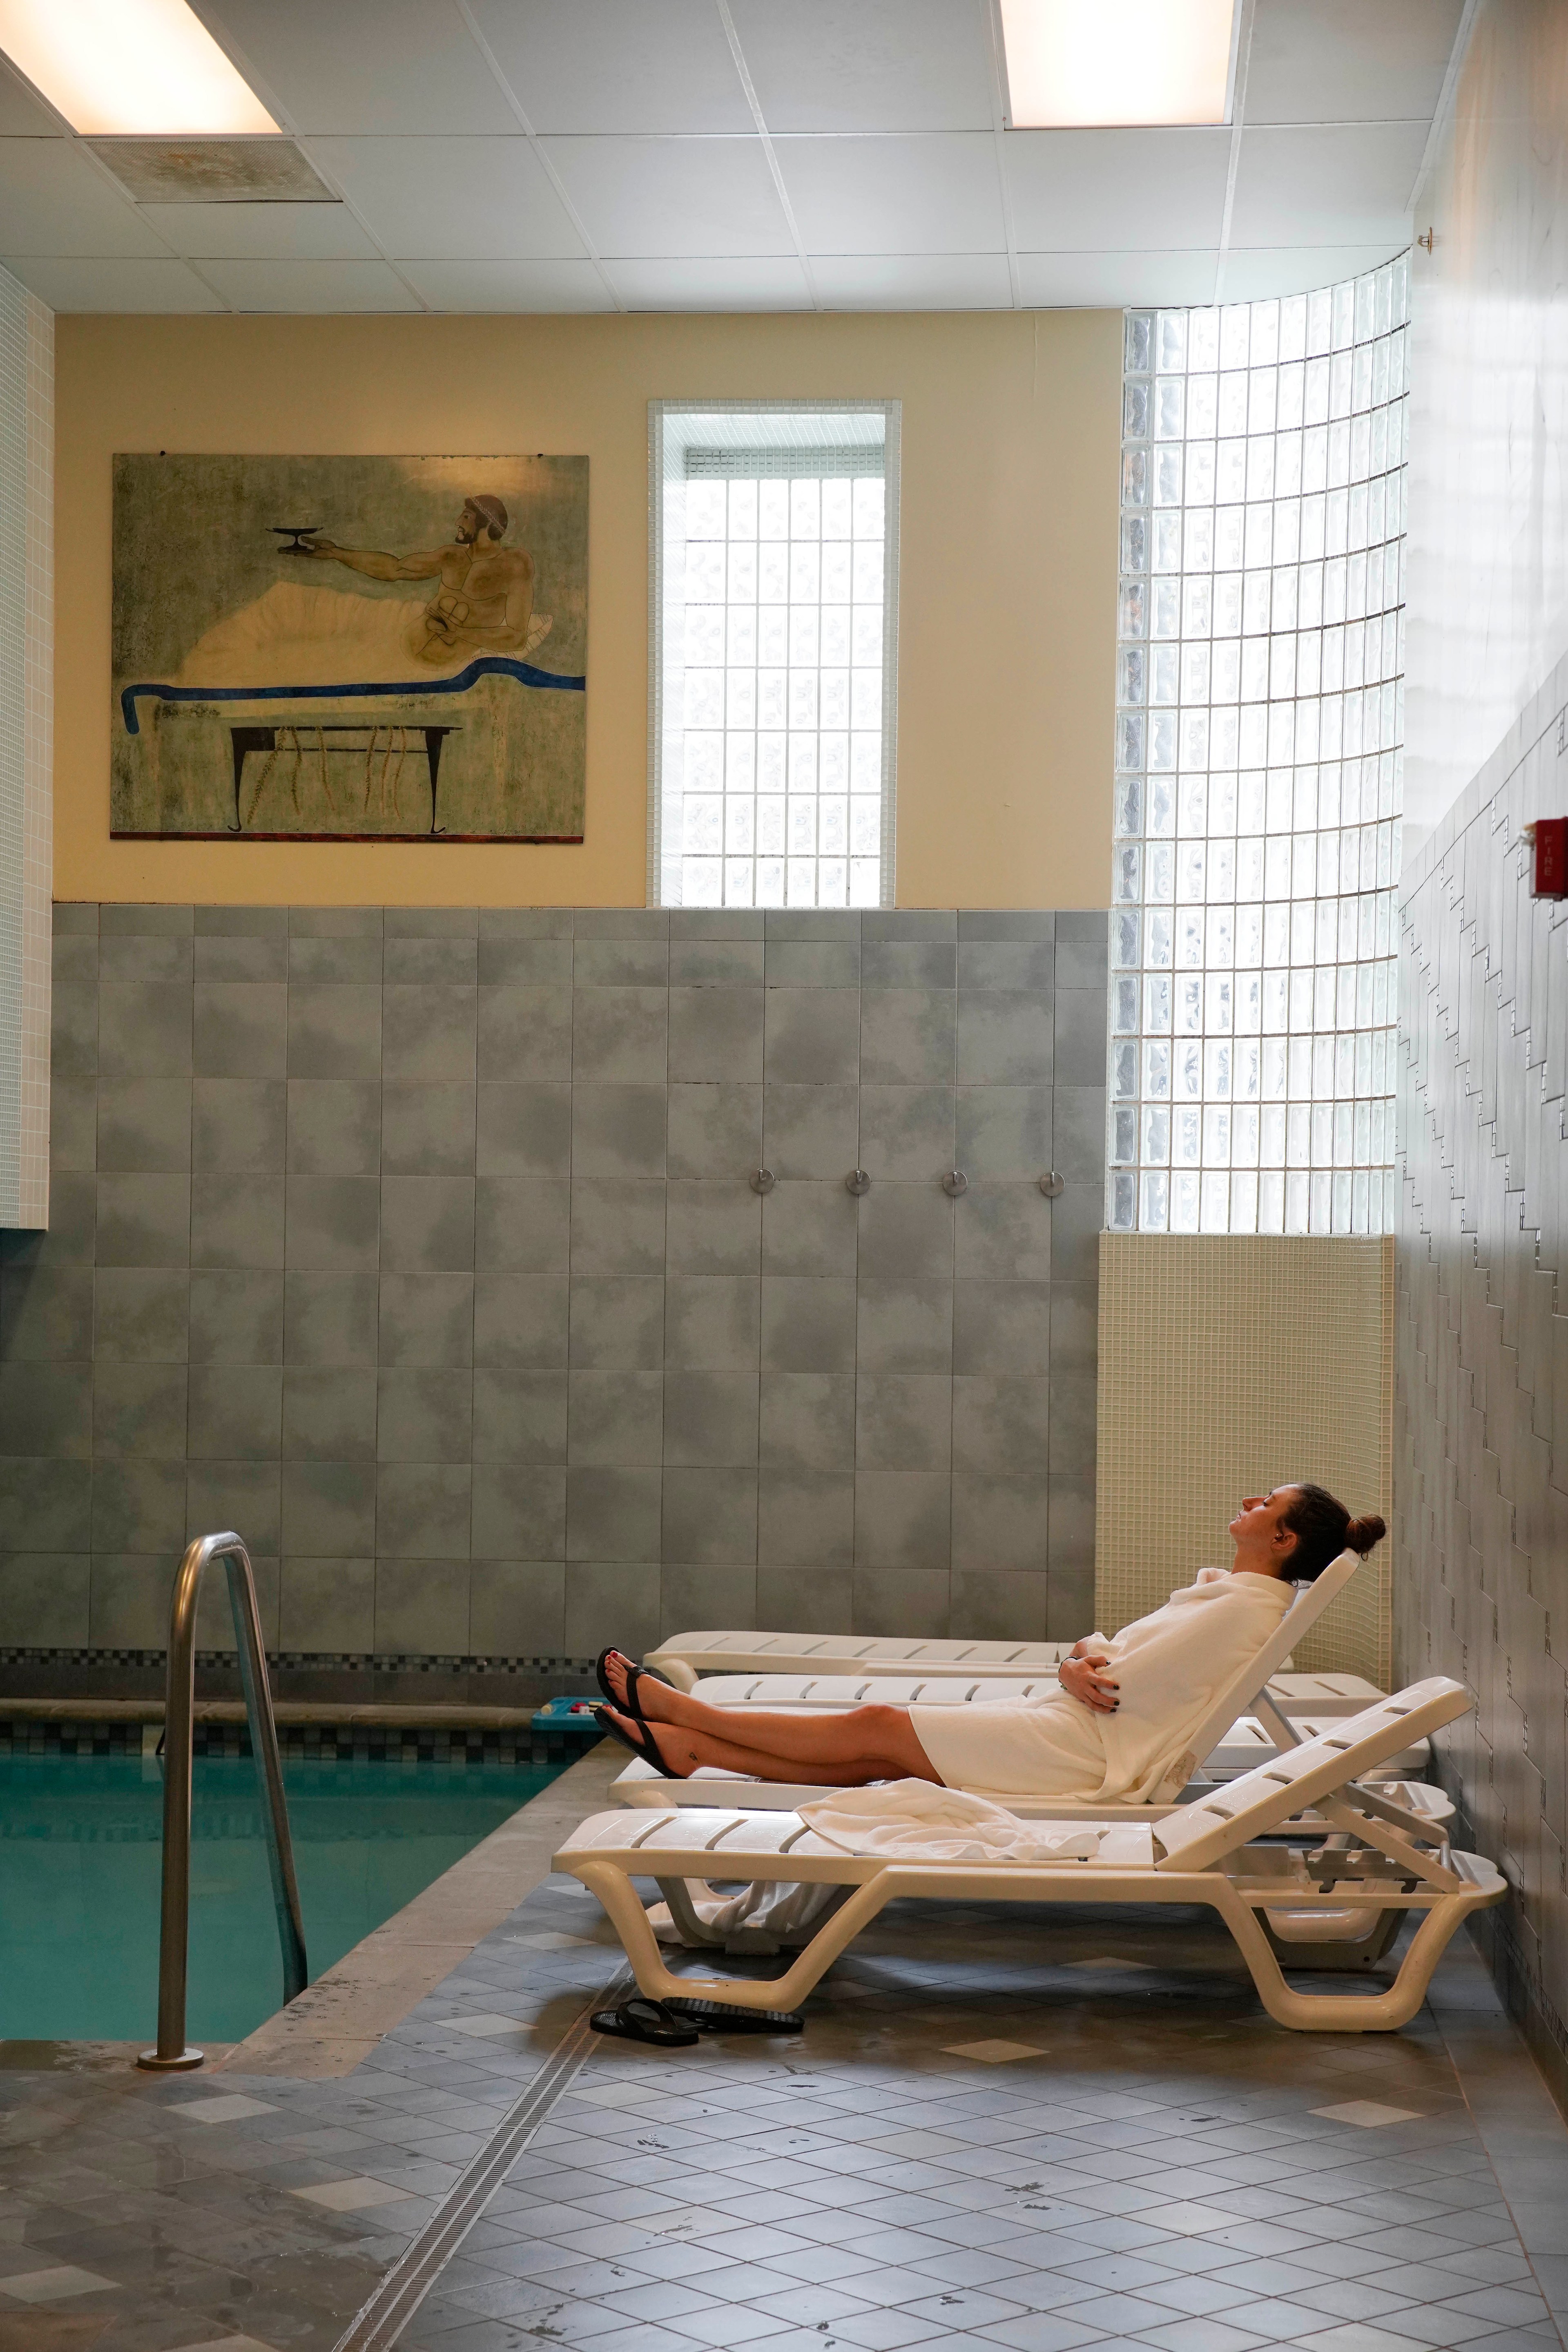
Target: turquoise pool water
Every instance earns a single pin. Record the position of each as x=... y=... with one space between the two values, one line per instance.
x=81 y=1848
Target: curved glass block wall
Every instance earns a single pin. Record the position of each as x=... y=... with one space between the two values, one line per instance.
x=1259 y=725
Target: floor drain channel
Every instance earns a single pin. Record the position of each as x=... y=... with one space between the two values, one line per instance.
x=378 y=2323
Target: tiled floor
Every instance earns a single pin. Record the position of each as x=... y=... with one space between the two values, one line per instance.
x=1001 y=2129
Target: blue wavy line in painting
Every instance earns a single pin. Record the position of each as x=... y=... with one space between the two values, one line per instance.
x=488 y=666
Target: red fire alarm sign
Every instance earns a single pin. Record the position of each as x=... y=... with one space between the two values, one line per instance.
x=1550 y=837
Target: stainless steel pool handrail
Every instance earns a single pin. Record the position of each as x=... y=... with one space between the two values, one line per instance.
x=179 y=1716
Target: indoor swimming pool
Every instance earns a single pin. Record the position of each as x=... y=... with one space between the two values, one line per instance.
x=80 y=1854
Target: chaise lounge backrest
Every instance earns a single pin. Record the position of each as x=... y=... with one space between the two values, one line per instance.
x=1201 y=1834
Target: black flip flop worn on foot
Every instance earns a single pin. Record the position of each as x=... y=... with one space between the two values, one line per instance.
x=635 y=1674
x=630 y=1705
x=640 y=2019
x=643 y=1748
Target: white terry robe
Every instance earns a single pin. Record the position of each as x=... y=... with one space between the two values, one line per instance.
x=1170 y=1666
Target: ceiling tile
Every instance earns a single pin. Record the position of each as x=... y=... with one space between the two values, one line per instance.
x=939 y=193
x=367 y=65
x=120 y=285
x=1342 y=61
x=1255 y=276
x=1115 y=190
x=22 y=115
x=267 y=232
x=761 y=283
x=211 y=171
x=616 y=65
x=674 y=198
x=452 y=199
x=913 y=281
x=310 y=285
x=867 y=65
x=1327 y=187
x=1105 y=281
x=509 y=284
x=54 y=199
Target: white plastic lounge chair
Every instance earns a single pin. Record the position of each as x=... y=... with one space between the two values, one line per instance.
x=1229 y=1740
x=807 y=1657
x=1312 y=1698
x=1377 y=1862
x=683 y=1656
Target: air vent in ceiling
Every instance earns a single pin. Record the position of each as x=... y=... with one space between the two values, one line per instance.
x=214 y=171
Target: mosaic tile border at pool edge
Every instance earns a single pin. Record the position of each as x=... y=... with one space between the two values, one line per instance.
x=304 y=1661
x=349 y=1680
x=462 y=1749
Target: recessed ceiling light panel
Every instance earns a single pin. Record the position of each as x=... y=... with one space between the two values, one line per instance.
x=129 y=66
x=1083 y=63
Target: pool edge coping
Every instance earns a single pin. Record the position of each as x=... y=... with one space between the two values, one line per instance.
x=339 y=2020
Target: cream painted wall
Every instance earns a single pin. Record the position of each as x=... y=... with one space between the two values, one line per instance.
x=1007 y=590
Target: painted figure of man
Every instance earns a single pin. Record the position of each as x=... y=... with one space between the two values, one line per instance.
x=486 y=599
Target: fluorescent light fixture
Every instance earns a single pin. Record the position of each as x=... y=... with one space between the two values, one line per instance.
x=1077 y=63
x=129 y=66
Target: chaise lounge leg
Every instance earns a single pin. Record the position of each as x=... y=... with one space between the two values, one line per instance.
x=630 y=1921
x=1348 y=2013
x=1363 y=1952
x=677 y=1894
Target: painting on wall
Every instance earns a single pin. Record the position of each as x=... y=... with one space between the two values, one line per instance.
x=349 y=648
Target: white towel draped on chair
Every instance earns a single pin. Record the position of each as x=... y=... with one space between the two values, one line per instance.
x=914 y=1820
x=761 y=1917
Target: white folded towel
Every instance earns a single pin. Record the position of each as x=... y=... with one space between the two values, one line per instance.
x=918 y=1821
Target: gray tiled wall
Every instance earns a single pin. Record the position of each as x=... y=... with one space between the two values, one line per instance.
x=1481 y=1422
x=419 y=1245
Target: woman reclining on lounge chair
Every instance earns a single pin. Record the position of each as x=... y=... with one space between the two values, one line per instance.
x=1121 y=1718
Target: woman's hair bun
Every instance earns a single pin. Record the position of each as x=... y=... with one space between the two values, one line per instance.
x=1362 y=1534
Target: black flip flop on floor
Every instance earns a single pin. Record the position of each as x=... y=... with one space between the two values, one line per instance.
x=640 y=2019
x=718 y=2017
x=644 y=1746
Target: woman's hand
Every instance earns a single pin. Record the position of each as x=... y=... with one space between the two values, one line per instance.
x=1081 y=1677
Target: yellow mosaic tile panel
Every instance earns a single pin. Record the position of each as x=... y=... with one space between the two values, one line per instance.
x=1231 y=1363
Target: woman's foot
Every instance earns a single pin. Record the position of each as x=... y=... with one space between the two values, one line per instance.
x=657 y=1701
x=645 y=1735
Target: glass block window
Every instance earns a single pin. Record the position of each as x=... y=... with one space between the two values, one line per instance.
x=1260 y=658
x=774 y=534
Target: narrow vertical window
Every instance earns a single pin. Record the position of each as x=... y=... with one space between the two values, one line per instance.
x=773 y=597
x=1260 y=722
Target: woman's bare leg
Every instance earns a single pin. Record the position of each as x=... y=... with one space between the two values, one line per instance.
x=882 y=1751
x=658 y=1701
x=820 y=1737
